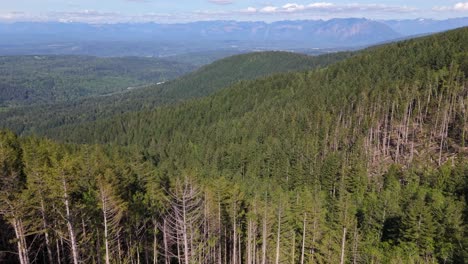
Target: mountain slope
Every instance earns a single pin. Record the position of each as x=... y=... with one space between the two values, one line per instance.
x=380 y=138
x=363 y=161
x=26 y=80
x=357 y=31
x=410 y=27
x=249 y=66
x=383 y=89
x=199 y=83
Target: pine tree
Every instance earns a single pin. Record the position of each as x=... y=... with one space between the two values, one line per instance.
x=12 y=184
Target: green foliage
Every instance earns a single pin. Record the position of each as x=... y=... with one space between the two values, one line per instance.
x=365 y=153
x=27 y=80
x=11 y=166
x=208 y=79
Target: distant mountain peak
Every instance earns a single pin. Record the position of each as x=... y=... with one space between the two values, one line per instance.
x=21 y=38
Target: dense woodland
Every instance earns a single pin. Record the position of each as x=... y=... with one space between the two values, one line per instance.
x=203 y=82
x=363 y=161
x=26 y=80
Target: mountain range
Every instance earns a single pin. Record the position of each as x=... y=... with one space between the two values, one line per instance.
x=153 y=39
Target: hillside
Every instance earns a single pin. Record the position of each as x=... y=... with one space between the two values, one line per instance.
x=392 y=80
x=419 y=26
x=362 y=161
x=228 y=71
x=202 y=58
x=393 y=111
x=201 y=82
x=26 y=80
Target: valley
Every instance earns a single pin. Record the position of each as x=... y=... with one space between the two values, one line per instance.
x=33 y=80
x=202 y=82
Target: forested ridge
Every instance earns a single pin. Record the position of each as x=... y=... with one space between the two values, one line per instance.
x=26 y=80
x=202 y=82
x=364 y=161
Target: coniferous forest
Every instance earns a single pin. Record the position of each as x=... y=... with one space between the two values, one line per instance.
x=364 y=160
x=32 y=80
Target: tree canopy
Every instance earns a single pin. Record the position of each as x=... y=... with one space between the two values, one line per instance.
x=361 y=161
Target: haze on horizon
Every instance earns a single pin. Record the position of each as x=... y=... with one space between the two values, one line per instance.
x=121 y=11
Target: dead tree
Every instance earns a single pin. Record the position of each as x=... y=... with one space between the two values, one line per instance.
x=183 y=222
x=112 y=209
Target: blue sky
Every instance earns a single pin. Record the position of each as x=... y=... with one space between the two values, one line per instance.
x=167 y=11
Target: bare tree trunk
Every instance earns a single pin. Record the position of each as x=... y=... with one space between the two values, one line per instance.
x=249 y=242
x=303 y=239
x=179 y=257
x=192 y=255
x=220 y=246
x=442 y=136
x=278 y=235
x=46 y=232
x=234 y=243
x=111 y=208
x=106 y=232
x=264 y=242
x=390 y=129
x=225 y=247
x=397 y=152
x=205 y=253
x=239 y=240
x=184 y=218
x=62 y=247
x=464 y=110
x=138 y=252
x=343 y=246
x=155 y=242
x=166 y=248
x=254 y=250
x=184 y=234
x=22 y=247
x=71 y=231
x=59 y=261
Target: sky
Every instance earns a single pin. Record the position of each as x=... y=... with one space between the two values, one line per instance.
x=175 y=11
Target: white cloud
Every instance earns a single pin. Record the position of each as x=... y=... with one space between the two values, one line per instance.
x=313 y=10
x=89 y=16
x=326 y=7
x=269 y=9
x=250 y=10
x=293 y=7
x=460 y=7
x=13 y=16
x=320 y=5
x=92 y=17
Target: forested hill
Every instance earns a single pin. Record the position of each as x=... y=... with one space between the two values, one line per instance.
x=363 y=161
x=383 y=135
x=228 y=71
x=26 y=80
x=202 y=82
x=407 y=89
